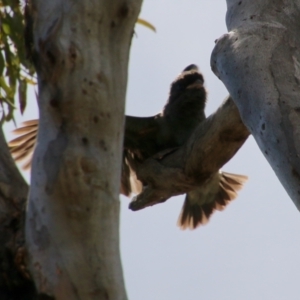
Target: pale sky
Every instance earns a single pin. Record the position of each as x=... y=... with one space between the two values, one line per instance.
x=251 y=249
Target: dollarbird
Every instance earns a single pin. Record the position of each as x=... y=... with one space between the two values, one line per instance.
x=146 y=136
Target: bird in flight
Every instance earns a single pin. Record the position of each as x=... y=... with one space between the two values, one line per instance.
x=146 y=136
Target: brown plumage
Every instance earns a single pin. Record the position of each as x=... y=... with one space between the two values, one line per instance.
x=145 y=137
x=23 y=146
x=200 y=203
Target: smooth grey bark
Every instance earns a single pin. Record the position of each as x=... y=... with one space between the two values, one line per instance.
x=81 y=51
x=259 y=63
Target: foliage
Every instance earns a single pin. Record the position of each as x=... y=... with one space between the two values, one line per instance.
x=16 y=72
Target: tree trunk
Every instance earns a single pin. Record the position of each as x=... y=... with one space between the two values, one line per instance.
x=15 y=282
x=259 y=63
x=72 y=224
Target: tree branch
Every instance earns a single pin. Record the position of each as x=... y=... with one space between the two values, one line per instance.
x=259 y=63
x=214 y=142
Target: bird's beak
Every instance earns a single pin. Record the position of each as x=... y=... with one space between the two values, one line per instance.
x=198 y=84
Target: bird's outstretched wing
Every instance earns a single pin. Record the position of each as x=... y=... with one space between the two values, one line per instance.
x=140 y=142
x=141 y=134
x=23 y=146
x=146 y=136
x=200 y=203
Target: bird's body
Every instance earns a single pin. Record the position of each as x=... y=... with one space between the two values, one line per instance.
x=145 y=137
x=180 y=116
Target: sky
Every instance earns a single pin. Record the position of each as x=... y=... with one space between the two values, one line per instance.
x=248 y=251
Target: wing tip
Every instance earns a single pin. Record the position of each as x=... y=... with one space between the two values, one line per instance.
x=22 y=147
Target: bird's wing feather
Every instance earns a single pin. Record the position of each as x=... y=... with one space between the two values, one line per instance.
x=200 y=203
x=23 y=146
x=140 y=129
x=137 y=131
x=139 y=144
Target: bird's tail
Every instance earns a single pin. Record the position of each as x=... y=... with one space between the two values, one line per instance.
x=23 y=146
x=200 y=203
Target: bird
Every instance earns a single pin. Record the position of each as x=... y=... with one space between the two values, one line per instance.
x=169 y=129
x=144 y=137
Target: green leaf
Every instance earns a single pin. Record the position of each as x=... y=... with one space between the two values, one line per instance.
x=6 y=28
x=2 y=63
x=146 y=24
x=29 y=81
x=16 y=72
x=22 y=94
x=4 y=86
